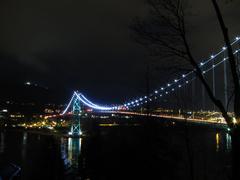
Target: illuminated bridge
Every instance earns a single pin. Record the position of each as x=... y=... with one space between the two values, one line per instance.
x=215 y=70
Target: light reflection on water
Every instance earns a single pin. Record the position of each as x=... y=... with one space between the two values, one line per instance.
x=217 y=142
x=228 y=142
x=71 y=149
x=2 y=146
x=24 y=145
x=222 y=143
x=25 y=135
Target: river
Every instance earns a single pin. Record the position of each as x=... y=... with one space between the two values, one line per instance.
x=122 y=152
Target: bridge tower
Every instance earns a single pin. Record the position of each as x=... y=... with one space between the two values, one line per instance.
x=76 y=110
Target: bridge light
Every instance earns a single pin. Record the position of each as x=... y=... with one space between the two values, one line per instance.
x=140 y=99
x=175 y=80
x=224 y=48
x=213 y=66
x=201 y=64
x=179 y=86
x=128 y=104
x=89 y=103
x=237 y=38
x=160 y=95
x=132 y=102
x=136 y=101
x=166 y=92
x=162 y=88
x=168 y=85
x=145 y=97
x=183 y=75
x=186 y=82
x=204 y=72
x=172 y=89
x=156 y=92
x=212 y=56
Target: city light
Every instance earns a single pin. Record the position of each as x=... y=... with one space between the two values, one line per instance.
x=234 y=120
x=28 y=83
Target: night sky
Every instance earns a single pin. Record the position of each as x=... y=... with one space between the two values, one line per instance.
x=68 y=45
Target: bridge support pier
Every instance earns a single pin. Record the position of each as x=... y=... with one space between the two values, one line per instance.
x=76 y=127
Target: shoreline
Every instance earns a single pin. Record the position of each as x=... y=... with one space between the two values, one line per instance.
x=60 y=134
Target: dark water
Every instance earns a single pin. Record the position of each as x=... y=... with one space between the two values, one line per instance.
x=37 y=155
x=122 y=152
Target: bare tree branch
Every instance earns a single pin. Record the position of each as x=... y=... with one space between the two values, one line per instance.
x=232 y=61
x=165 y=32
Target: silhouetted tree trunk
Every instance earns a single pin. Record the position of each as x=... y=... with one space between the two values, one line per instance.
x=164 y=34
x=235 y=74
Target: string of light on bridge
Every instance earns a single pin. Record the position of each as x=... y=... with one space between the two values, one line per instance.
x=181 y=81
x=177 y=83
x=86 y=102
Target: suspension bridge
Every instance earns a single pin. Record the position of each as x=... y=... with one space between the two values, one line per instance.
x=215 y=70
